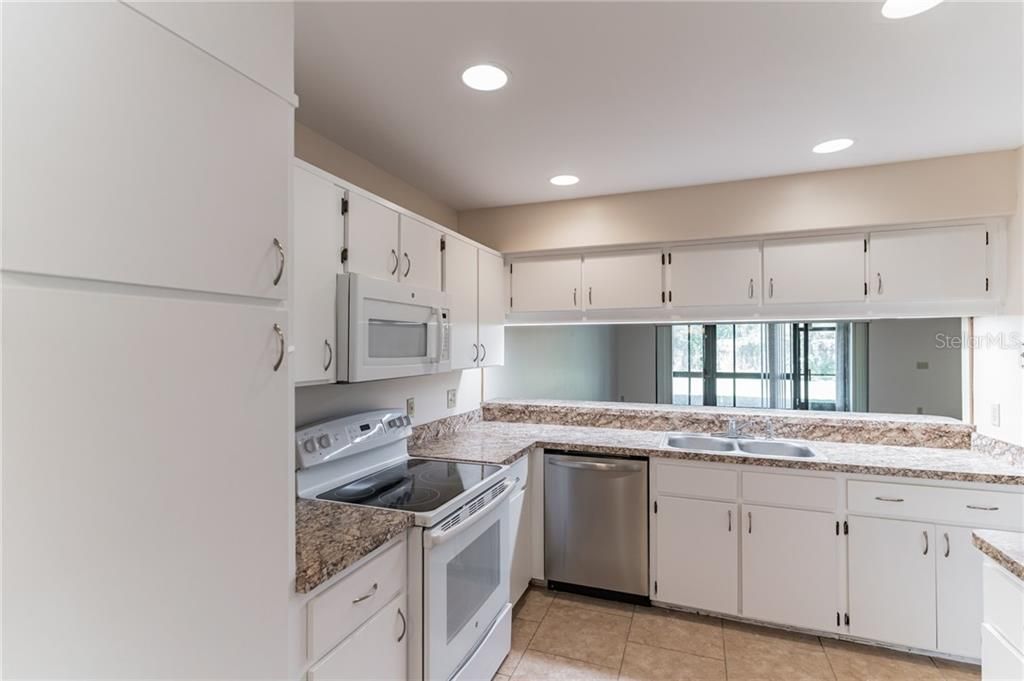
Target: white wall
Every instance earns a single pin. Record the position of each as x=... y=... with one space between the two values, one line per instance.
x=320 y=402
x=555 y=362
x=895 y=383
x=635 y=363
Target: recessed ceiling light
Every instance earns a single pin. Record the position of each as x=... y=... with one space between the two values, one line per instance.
x=901 y=9
x=832 y=146
x=564 y=180
x=484 y=77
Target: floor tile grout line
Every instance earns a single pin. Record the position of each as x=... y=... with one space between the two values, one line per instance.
x=828 y=659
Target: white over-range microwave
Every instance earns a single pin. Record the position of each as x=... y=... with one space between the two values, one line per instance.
x=390 y=330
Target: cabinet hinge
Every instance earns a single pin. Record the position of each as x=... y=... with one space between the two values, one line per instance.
x=344 y=206
x=865 y=245
x=655 y=506
x=986 y=238
x=846 y=619
x=846 y=527
x=986 y=283
x=663 y=296
x=344 y=255
x=442 y=244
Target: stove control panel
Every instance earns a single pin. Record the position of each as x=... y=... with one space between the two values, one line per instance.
x=337 y=438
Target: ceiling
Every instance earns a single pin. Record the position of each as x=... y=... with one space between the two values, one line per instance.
x=633 y=97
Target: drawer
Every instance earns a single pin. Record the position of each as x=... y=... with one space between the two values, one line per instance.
x=690 y=481
x=376 y=651
x=796 y=491
x=1003 y=596
x=341 y=609
x=999 y=660
x=975 y=507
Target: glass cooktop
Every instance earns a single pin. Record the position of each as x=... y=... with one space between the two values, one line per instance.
x=415 y=485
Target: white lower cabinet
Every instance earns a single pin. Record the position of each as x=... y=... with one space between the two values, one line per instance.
x=697 y=554
x=790 y=567
x=958 y=592
x=892 y=581
x=1002 y=634
x=521 y=522
x=377 y=650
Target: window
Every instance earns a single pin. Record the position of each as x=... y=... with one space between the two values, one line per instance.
x=799 y=365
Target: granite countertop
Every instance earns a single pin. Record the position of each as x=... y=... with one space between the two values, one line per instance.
x=330 y=537
x=504 y=442
x=1005 y=548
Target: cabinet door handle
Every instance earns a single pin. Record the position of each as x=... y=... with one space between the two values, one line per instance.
x=574 y=297
x=982 y=508
x=879 y=274
x=771 y=287
x=476 y=352
x=590 y=295
x=405 y=625
x=330 y=355
x=750 y=289
x=369 y=594
x=408 y=264
x=280 y=343
x=895 y=500
x=750 y=523
x=280 y=261
x=730 y=520
x=925 y=534
x=946 y=535
x=484 y=349
x=395 y=256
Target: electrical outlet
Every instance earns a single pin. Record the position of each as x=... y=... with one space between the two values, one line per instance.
x=410 y=407
x=451 y=398
x=995 y=414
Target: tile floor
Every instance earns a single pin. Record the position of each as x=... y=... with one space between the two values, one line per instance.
x=564 y=636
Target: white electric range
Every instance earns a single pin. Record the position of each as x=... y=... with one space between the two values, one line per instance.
x=459 y=549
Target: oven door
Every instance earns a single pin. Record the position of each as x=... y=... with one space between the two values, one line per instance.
x=466 y=583
x=393 y=329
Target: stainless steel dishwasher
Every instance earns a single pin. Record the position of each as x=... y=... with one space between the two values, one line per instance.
x=595 y=524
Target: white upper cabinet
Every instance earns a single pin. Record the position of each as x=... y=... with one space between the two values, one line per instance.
x=824 y=269
x=720 y=274
x=936 y=264
x=371 y=238
x=492 y=308
x=421 y=254
x=318 y=227
x=161 y=168
x=547 y=284
x=264 y=50
x=461 y=286
x=618 y=281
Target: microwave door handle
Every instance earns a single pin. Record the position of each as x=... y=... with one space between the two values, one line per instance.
x=439 y=341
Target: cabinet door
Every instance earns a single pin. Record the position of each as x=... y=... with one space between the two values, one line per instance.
x=790 y=567
x=892 y=581
x=371 y=237
x=159 y=166
x=492 y=309
x=316 y=206
x=698 y=554
x=825 y=269
x=519 y=521
x=460 y=264
x=724 y=274
x=160 y=401
x=959 y=592
x=546 y=285
x=622 y=280
x=941 y=263
x=421 y=254
x=377 y=650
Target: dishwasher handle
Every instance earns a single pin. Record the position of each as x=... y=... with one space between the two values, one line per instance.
x=623 y=467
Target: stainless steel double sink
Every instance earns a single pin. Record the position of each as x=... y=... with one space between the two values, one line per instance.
x=738 y=446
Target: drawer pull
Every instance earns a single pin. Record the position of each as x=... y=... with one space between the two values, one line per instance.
x=405 y=625
x=895 y=500
x=368 y=594
x=982 y=508
x=925 y=542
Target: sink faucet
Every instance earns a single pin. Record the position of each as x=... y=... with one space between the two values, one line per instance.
x=732 y=430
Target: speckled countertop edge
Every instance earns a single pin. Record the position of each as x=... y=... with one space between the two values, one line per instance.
x=330 y=537
x=1005 y=548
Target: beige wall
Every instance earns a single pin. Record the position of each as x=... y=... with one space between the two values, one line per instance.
x=954 y=187
x=314 y=148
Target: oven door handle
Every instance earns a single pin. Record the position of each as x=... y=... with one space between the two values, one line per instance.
x=437 y=537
